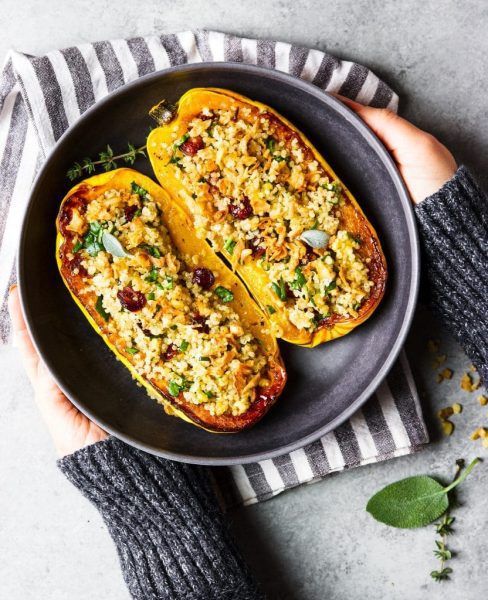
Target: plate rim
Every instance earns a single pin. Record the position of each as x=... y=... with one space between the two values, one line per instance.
x=399 y=185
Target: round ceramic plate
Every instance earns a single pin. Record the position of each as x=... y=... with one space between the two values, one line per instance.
x=325 y=384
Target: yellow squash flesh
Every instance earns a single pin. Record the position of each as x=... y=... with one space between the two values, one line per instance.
x=160 y=142
x=181 y=231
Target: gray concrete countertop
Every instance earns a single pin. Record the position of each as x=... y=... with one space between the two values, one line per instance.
x=314 y=542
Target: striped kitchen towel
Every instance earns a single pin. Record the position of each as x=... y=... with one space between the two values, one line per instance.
x=41 y=96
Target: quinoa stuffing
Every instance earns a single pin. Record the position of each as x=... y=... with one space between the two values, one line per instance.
x=262 y=196
x=168 y=312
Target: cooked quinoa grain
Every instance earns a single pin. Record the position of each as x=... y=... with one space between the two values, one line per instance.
x=166 y=316
x=256 y=191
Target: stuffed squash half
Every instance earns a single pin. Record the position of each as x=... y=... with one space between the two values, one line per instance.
x=166 y=305
x=264 y=197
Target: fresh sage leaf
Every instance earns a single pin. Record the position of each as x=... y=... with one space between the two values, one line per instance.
x=112 y=245
x=315 y=238
x=414 y=501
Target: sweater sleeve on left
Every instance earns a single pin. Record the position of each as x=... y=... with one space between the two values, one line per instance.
x=172 y=539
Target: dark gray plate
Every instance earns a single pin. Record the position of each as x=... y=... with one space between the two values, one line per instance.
x=327 y=384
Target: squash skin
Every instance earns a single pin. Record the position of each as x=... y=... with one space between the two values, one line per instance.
x=180 y=229
x=352 y=217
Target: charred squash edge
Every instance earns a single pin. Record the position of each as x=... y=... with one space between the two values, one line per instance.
x=335 y=326
x=197 y=415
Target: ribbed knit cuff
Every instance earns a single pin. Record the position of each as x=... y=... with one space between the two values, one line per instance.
x=453 y=225
x=163 y=516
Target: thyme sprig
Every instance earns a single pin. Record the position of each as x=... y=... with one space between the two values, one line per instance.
x=107 y=160
x=444 y=529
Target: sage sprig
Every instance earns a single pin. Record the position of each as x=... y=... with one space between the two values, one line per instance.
x=106 y=160
x=414 y=501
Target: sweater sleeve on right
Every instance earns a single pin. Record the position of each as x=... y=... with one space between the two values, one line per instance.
x=453 y=226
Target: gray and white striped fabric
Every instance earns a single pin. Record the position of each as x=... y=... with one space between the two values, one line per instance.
x=40 y=97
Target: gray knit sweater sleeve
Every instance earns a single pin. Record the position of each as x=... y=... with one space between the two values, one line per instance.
x=453 y=226
x=171 y=538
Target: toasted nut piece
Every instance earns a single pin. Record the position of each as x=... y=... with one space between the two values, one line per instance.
x=433 y=346
x=445 y=413
x=467 y=383
x=457 y=408
x=475 y=435
x=439 y=360
x=444 y=374
x=485 y=443
x=483 y=432
x=447 y=427
x=483 y=400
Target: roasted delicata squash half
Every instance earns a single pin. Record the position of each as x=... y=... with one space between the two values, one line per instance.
x=168 y=307
x=264 y=197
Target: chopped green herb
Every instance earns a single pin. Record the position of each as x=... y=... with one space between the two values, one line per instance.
x=318 y=317
x=204 y=359
x=271 y=310
x=93 y=239
x=151 y=296
x=279 y=159
x=353 y=238
x=77 y=247
x=174 y=388
x=138 y=212
x=209 y=394
x=181 y=141
x=299 y=280
x=151 y=250
x=224 y=294
x=328 y=288
x=140 y=191
x=100 y=309
x=280 y=289
x=271 y=144
x=153 y=275
x=132 y=350
x=168 y=283
x=174 y=160
x=230 y=245
x=184 y=346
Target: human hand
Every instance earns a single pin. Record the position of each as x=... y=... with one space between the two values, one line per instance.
x=424 y=163
x=69 y=428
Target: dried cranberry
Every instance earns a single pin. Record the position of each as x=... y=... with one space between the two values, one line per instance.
x=289 y=291
x=204 y=278
x=75 y=265
x=192 y=145
x=200 y=324
x=171 y=352
x=130 y=211
x=146 y=332
x=257 y=250
x=308 y=256
x=131 y=300
x=241 y=210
